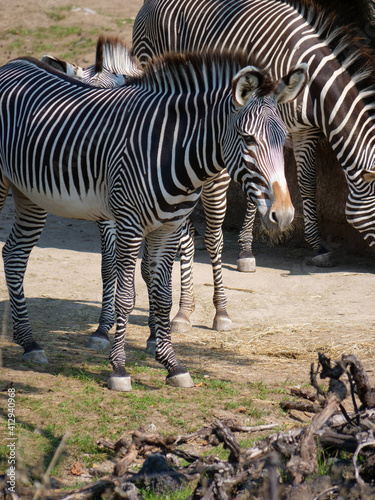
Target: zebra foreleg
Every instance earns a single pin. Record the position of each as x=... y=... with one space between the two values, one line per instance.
x=128 y=244
x=305 y=156
x=214 y=204
x=25 y=233
x=162 y=249
x=99 y=340
x=246 y=260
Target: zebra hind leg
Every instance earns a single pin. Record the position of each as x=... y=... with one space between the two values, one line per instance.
x=305 y=155
x=214 y=204
x=145 y=271
x=246 y=260
x=99 y=339
x=181 y=322
x=24 y=235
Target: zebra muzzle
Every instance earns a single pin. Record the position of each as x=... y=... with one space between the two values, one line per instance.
x=281 y=214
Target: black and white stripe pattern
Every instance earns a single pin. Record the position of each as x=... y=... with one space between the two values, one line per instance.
x=139 y=155
x=113 y=67
x=339 y=101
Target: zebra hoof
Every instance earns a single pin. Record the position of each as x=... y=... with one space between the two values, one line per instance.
x=246 y=262
x=151 y=347
x=180 y=324
x=222 y=322
x=181 y=380
x=98 y=343
x=324 y=260
x=247 y=265
x=39 y=357
x=120 y=384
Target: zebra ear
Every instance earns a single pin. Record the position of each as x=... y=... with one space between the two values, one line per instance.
x=67 y=68
x=55 y=63
x=368 y=175
x=245 y=83
x=292 y=84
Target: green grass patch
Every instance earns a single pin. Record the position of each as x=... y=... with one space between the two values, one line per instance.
x=218 y=451
x=122 y=21
x=66 y=42
x=181 y=494
x=72 y=396
x=59 y=13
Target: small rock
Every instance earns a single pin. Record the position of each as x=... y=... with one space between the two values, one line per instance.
x=151 y=428
x=127 y=490
x=88 y=11
x=173 y=460
x=158 y=476
x=102 y=469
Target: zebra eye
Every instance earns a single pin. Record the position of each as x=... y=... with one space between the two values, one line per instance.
x=250 y=140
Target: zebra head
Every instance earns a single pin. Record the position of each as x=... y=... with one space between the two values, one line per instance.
x=113 y=65
x=254 y=142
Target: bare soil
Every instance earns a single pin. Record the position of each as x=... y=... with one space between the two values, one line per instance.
x=22 y=19
x=283 y=314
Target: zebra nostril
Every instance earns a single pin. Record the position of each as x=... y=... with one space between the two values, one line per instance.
x=273 y=217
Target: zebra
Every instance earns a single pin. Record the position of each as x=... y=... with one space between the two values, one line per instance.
x=113 y=66
x=137 y=154
x=338 y=102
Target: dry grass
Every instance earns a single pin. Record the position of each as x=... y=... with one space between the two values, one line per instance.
x=301 y=342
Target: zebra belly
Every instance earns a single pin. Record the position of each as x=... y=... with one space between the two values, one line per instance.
x=90 y=206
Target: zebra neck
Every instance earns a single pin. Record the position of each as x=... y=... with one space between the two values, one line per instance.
x=347 y=118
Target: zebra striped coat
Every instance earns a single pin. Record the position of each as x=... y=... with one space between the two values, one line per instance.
x=338 y=102
x=113 y=66
x=138 y=154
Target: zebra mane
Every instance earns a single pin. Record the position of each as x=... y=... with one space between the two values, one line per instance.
x=113 y=56
x=350 y=48
x=192 y=70
x=360 y=13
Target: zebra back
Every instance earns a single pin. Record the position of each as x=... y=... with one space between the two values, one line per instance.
x=113 y=64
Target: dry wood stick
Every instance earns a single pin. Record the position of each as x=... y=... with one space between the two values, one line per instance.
x=230 y=442
x=300 y=466
x=301 y=406
x=95 y=490
x=244 y=428
x=364 y=390
x=124 y=463
x=370 y=442
x=52 y=464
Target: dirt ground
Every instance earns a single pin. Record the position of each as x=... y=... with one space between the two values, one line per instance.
x=283 y=314
x=20 y=20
